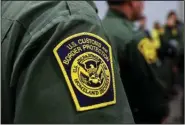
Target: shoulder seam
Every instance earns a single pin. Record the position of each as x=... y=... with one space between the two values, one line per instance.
x=20 y=24
x=57 y=17
x=67 y=6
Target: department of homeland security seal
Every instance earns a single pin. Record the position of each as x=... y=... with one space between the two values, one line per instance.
x=90 y=74
x=86 y=62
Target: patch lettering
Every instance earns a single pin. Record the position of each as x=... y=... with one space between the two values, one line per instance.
x=86 y=62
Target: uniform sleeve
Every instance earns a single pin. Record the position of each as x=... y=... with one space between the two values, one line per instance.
x=53 y=66
x=145 y=89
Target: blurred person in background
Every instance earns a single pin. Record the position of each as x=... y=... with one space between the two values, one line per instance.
x=142 y=25
x=157 y=33
x=136 y=55
x=173 y=42
x=172 y=46
x=178 y=22
x=164 y=67
x=173 y=32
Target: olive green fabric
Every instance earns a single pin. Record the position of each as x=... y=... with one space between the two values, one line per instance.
x=33 y=87
x=145 y=91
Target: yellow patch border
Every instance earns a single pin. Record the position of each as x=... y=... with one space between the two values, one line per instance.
x=78 y=108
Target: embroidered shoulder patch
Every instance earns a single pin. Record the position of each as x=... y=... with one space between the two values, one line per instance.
x=149 y=50
x=86 y=62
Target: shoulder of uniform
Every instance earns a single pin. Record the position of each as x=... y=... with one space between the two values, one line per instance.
x=138 y=35
x=35 y=15
x=115 y=27
x=83 y=9
x=64 y=11
x=38 y=17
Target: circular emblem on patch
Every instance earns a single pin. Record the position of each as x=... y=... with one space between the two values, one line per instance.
x=90 y=74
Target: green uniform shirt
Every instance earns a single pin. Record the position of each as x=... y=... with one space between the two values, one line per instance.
x=145 y=91
x=58 y=65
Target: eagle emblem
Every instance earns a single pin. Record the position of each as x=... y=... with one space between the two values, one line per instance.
x=91 y=72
